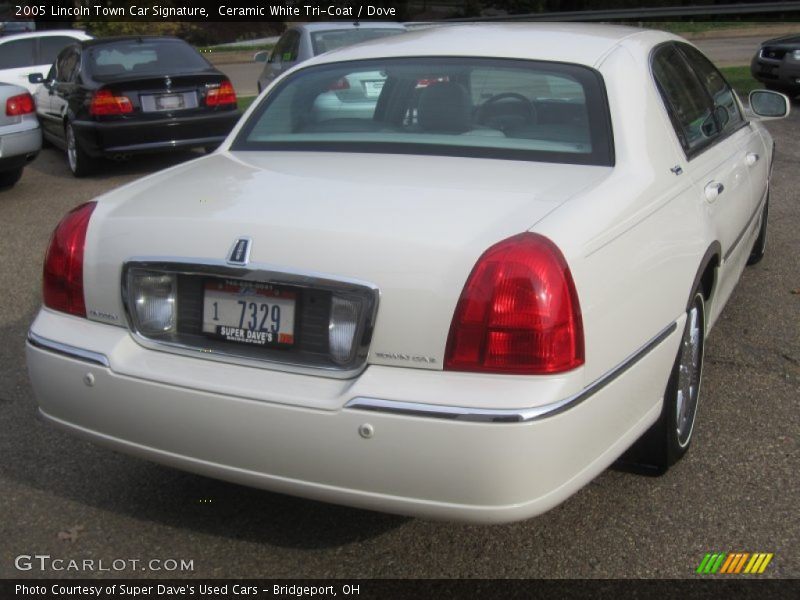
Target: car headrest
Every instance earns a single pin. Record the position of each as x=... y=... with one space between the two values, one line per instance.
x=445 y=107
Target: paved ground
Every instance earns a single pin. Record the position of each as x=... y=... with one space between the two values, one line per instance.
x=737 y=490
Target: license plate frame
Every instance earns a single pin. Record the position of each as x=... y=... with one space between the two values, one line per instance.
x=246 y=313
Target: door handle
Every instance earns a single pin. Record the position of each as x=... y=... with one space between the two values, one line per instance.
x=713 y=190
x=751 y=159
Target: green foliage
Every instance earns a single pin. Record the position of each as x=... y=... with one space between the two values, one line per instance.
x=741 y=80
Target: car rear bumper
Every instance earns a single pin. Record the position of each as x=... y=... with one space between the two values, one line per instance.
x=258 y=433
x=19 y=147
x=108 y=138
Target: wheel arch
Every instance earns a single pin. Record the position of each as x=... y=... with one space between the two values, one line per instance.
x=706 y=277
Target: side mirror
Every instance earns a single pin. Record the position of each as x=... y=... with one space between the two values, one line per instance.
x=261 y=56
x=35 y=78
x=769 y=105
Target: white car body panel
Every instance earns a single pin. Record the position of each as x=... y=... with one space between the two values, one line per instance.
x=637 y=238
x=19 y=75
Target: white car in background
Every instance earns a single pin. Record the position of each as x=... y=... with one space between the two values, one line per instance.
x=20 y=134
x=465 y=303
x=26 y=58
x=304 y=41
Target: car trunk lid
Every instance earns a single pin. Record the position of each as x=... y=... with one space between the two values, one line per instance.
x=411 y=226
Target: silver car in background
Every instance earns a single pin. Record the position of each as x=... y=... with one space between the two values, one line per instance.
x=20 y=135
x=302 y=42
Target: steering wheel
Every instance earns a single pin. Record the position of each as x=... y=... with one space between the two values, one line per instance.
x=484 y=113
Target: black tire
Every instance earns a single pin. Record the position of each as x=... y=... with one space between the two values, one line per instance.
x=760 y=245
x=80 y=163
x=668 y=440
x=9 y=178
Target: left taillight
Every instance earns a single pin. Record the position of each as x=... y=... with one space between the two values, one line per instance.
x=105 y=102
x=222 y=95
x=62 y=285
x=20 y=105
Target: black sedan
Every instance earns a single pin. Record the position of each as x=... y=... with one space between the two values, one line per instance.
x=777 y=64
x=117 y=96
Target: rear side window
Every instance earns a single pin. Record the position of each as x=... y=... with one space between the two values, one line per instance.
x=488 y=108
x=686 y=99
x=726 y=109
x=702 y=106
x=18 y=53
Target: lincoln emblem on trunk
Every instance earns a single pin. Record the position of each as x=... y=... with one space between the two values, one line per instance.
x=240 y=252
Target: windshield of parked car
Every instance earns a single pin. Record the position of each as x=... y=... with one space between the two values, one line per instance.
x=324 y=41
x=494 y=108
x=144 y=57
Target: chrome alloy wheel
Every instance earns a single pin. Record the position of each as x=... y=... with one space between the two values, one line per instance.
x=690 y=364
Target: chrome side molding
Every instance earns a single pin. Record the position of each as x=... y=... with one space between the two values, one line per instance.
x=96 y=358
x=509 y=415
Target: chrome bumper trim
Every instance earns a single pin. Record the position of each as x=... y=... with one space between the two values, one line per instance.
x=508 y=415
x=38 y=341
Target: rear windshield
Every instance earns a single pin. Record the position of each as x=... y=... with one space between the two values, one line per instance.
x=493 y=108
x=144 y=57
x=324 y=41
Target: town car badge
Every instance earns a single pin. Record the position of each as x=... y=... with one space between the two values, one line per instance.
x=240 y=252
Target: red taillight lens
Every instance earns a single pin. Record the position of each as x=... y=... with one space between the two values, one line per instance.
x=62 y=287
x=224 y=94
x=518 y=313
x=20 y=105
x=104 y=102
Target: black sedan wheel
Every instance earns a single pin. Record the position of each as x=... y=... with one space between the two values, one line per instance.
x=79 y=162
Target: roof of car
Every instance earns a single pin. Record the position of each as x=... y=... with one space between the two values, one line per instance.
x=579 y=43
x=129 y=38
x=331 y=26
x=76 y=33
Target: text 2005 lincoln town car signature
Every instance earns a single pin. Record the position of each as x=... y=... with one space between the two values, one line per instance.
x=456 y=273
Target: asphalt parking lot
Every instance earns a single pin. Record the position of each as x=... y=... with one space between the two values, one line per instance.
x=736 y=491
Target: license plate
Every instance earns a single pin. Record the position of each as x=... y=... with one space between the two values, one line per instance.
x=249 y=313
x=169 y=101
x=373 y=88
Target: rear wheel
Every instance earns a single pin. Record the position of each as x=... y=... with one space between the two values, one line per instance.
x=79 y=162
x=9 y=178
x=668 y=440
x=760 y=245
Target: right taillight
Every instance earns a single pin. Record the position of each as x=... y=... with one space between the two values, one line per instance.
x=62 y=287
x=518 y=312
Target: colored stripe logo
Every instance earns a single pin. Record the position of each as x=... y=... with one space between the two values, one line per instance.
x=734 y=563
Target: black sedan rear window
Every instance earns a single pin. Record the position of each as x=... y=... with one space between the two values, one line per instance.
x=144 y=57
x=488 y=108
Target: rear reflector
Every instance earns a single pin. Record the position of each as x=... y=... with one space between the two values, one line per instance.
x=518 y=312
x=20 y=105
x=62 y=287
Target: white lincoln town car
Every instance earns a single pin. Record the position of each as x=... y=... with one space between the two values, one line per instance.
x=462 y=296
